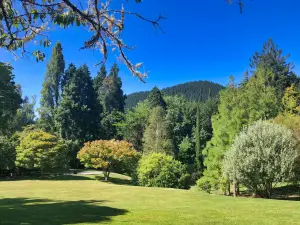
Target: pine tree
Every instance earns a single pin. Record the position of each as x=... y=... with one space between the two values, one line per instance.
x=155 y=99
x=51 y=90
x=78 y=112
x=157 y=136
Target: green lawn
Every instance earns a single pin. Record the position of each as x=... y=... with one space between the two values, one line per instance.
x=83 y=200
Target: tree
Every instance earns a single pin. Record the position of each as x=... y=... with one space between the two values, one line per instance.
x=156 y=99
x=7 y=154
x=112 y=96
x=10 y=97
x=51 y=90
x=262 y=155
x=25 y=115
x=26 y=21
x=110 y=123
x=108 y=155
x=186 y=153
x=98 y=83
x=41 y=150
x=291 y=101
x=78 y=112
x=198 y=155
x=157 y=136
x=239 y=107
x=134 y=124
x=161 y=170
x=271 y=58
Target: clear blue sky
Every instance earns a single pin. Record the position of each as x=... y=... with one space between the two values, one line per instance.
x=204 y=40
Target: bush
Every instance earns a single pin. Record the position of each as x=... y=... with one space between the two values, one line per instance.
x=261 y=156
x=204 y=183
x=109 y=155
x=161 y=170
x=41 y=150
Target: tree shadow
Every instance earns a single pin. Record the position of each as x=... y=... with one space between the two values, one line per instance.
x=45 y=211
x=115 y=180
x=50 y=177
x=288 y=192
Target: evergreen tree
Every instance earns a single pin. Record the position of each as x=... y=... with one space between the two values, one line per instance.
x=98 y=83
x=156 y=99
x=78 y=112
x=10 y=97
x=157 y=136
x=199 y=159
x=51 y=90
x=111 y=93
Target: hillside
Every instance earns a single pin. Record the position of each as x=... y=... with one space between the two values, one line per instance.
x=192 y=91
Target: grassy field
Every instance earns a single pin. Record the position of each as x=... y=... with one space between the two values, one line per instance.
x=84 y=200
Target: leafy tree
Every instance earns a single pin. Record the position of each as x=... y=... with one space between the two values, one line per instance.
x=78 y=112
x=7 y=154
x=10 y=97
x=109 y=125
x=238 y=108
x=134 y=124
x=186 y=153
x=25 y=115
x=108 y=155
x=291 y=101
x=161 y=170
x=262 y=155
x=156 y=99
x=41 y=150
x=157 y=136
x=51 y=90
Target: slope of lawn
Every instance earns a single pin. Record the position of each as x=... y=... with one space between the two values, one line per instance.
x=84 y=200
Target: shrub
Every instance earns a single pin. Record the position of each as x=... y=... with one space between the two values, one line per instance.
x=161 y=170
x=41 y=150
x=204 y=183
x=261 y=156
x=109 y=155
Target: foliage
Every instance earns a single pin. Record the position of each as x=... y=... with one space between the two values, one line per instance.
x=23 y=22
x=10 y=97
x=157 y=136
x=271 y=58
x=198 y=150
x=109 y=124
x=261 y=156
x=186 y=153
x=134 y=124
x=78 y=113
x=291 y=100
x=239 y=107
x=156 y=99
x=51 y=90
x=108 y=155
x=195 y=91
x=204 y=183
x=41 y=150
x=161 y=170
x=7 y=154
x=25 y=115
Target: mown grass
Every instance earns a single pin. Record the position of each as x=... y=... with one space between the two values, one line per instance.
x=86 y=200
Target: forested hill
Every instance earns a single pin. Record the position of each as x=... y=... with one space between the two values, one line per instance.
x=192 y=91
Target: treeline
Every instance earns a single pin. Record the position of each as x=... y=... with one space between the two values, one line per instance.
x=196 y=91
x=248 y=135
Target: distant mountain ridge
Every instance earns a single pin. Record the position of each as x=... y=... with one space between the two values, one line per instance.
x=192 y=91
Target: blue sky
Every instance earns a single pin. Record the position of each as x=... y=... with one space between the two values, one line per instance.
x=204 y=40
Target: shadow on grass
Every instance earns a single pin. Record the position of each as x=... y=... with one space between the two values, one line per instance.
x=45 y=211
x=288 y=192
x=50 y=177
x=115 y=180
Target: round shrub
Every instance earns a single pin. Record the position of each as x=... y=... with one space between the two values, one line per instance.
x=261 y=156
x=161 y=170
x=204 y=183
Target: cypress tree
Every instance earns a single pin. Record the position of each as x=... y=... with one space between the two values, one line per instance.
x=51 y=90
x=155 y=99
x=199 y=160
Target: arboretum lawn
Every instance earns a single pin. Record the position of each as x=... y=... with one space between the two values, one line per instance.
x=84 y=200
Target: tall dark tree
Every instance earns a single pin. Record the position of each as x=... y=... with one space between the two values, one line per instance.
x=78 y=112
x=52 y=88
x=198 y=150
x=156 y=99
x=271 y=58
x=10 y=97
x=111 y=93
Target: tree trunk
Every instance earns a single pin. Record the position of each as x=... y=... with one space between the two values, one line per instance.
x=234 y=188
